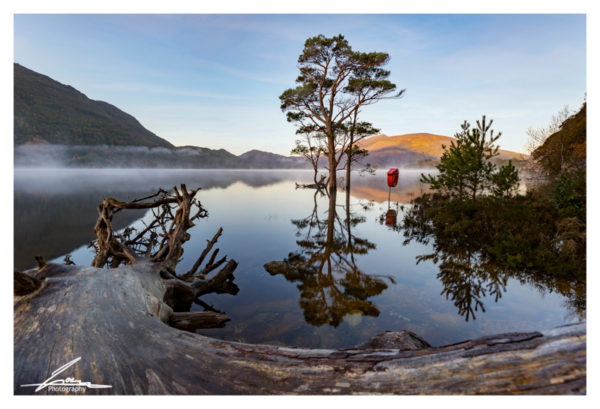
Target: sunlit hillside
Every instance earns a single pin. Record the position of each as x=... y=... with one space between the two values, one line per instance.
x=422 y=144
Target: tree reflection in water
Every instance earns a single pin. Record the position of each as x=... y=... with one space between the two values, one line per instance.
x=467 y=279
x=330 y=283
x=478 y=250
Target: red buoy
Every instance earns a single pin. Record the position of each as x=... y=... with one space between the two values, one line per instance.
x=392 y=177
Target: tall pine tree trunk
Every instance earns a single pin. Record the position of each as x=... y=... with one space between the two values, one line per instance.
x=349 y=152
x=332 y=164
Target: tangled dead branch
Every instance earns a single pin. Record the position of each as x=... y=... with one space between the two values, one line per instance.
x=161 y=241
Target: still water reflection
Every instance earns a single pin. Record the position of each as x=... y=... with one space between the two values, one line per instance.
x=341 y=271
x=324 y=267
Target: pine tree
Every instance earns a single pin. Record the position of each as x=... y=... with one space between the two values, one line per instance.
x=505 y=182
x=334 y=83
x=465 y=168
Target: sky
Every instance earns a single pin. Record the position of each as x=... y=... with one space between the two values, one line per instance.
x=214 y=80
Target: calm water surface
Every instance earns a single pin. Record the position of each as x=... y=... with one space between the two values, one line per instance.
x=351 y=277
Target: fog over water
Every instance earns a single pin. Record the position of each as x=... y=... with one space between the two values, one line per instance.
x=131 y=157
x=56 y=156
x=68 y=180
x=266 y=218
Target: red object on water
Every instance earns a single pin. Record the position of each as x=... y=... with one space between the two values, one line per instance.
x=391 y=217
x=392 y=177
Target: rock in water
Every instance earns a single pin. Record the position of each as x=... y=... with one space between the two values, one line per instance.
x=403 y=340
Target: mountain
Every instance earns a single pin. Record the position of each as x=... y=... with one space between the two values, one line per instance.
x=267 y=160
x=413 y=150
x=46 y=111
x=112 y=156
x=423 y=143
x=56 y=125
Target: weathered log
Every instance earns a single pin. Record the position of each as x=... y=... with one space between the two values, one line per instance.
x=25 y=284
x=40 y=261
x=179 y=295
x=114 y=319
x=221 y=283
x=204 y=253
x=318 y=186
x=191 y=321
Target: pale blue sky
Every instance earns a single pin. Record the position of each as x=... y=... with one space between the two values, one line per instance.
x=214 y=80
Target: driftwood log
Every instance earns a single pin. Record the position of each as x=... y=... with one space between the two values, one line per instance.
x=128 y=330
x=161 y=243
x=320 y=185
x=115 y=321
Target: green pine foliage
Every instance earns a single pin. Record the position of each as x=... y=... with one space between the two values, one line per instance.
x=568 y=193
x=466 y=170
x=484 y=233
x=505 y=182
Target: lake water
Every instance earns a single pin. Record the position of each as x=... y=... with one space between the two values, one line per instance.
x=353 y=275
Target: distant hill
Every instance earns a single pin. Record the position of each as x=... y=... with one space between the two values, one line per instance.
x=46 y=111
x=412 y=149
x=267 y=160
x=423 y=143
